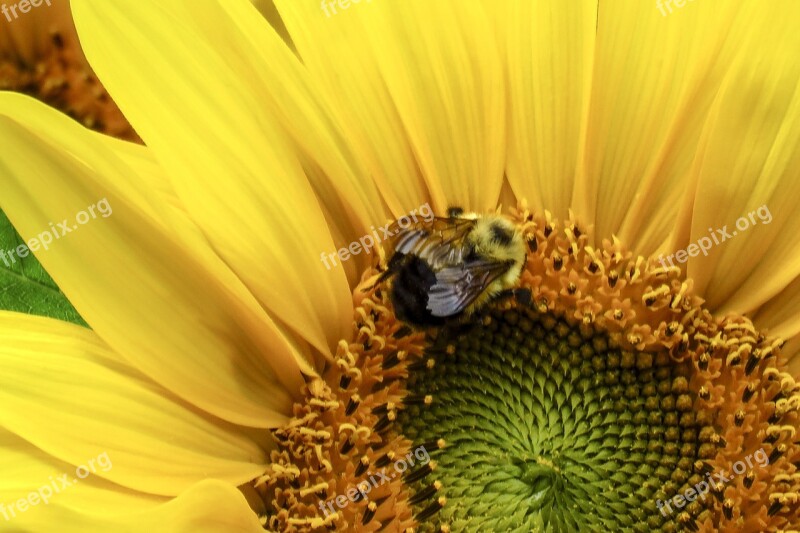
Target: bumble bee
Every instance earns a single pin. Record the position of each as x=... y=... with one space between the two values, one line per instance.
x=449 y=267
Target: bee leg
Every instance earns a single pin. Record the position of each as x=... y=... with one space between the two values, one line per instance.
x=521 y=295
x=458 y=326
x=391 y=269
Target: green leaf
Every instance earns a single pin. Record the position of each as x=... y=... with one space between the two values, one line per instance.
x=25 y=287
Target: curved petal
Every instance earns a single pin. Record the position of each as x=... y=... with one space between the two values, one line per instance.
x=231 y=163
x=27 y=469
x=210 y=506
x=420 y=86
x=153 y=193
x=64 y=390
x=655 y=76
x=748 y=180
x=781 y=317
x=306 y=112
x=153 y=298
x=337 y=167
x=334 y=52
x=549 y=49
x=791 y=351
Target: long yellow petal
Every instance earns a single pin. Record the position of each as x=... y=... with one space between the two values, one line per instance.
x=153 y=193
x=27 y=469
x=781 y=317
x=147 y=294
x=336 y=53
x=307 y=112
x=191 y=94
x=549 y=50
x=66 y=392
x=655 y=76
x=418 y=90
x=748 y=179
x=211 y=506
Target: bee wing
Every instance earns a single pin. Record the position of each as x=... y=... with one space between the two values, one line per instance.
x=439 y=242
x=458 y=286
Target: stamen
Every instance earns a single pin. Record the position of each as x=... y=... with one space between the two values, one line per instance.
x=596 y=387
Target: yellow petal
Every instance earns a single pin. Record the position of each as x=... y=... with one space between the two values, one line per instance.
x=66 y=392
x=420 y=85
x=153 y=193
x=334 y=164
x=27 y=469
x=191 y=93
x=549 y=50
x=655 y=77
x=149 y=295
x=791 y=351
x=305 y=111
x=748 y=179
x=210 y=506
x=336 y=54
x=781 y=317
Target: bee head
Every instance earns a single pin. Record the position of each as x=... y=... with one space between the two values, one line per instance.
x=497 y=238
x=455 y=211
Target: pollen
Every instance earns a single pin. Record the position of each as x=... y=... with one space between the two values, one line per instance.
x=342 y=464
x=583 y=407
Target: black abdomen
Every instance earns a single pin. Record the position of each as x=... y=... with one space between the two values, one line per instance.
x=412 y=282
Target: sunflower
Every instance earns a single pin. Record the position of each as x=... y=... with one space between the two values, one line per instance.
x=648 y=382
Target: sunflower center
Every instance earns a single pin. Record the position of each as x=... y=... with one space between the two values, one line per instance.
x=599 y=403
x=547 y=424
